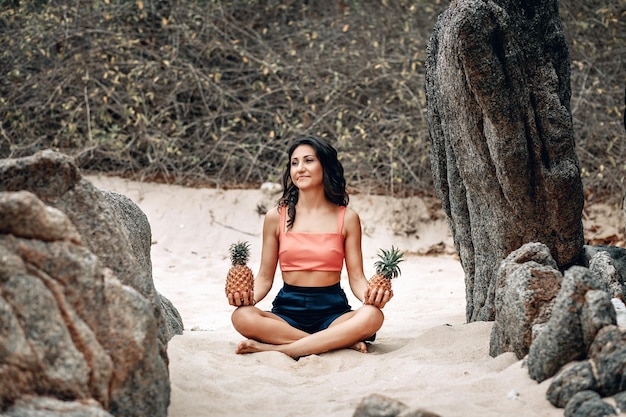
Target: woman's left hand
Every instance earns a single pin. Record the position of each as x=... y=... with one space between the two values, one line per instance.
x=377 y=297
x=241 y=299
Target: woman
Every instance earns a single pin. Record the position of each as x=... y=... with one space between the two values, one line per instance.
x=311 y=233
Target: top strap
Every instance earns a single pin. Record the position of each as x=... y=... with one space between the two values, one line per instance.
x=283 y=226
x=342 y=213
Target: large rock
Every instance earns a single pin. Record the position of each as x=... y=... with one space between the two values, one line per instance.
x=81 y=319
x=527 y=285
x=580 y=310
x=579 y=377
x=588 y=404
x=526 y=293
x=139 y=234
x=502 y=143
x=609 y=264
x=603 y=372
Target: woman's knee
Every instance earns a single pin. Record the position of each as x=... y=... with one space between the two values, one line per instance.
x=242 y=318
x=373 y=315
x=373 y=311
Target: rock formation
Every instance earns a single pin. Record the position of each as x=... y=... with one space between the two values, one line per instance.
x=588 y=403
x=602 y=372
x=580 y=310
x=502 y=143
x=552 y=321
x=80 y=319
x=527 y=284
x=376 y=405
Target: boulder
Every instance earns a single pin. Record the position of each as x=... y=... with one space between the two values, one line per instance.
x=570 y=380
x=80 y=320
x=608 y=354
x=376 y=405
x=580 y=310
x=588 y=404
x=527 y=285
x=502 y=145
x=137 y=229
x=603 y=372
x=608 y=263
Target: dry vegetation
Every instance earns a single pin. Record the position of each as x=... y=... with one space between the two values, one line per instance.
x=210 y=92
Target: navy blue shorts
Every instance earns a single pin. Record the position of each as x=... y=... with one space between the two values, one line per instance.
x=311 y=309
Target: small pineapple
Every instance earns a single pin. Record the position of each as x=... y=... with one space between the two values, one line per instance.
x=240 y=277
x=386 y=269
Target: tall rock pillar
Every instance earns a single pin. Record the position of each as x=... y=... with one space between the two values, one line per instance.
x=502 y=142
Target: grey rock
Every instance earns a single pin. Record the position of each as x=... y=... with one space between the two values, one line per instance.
x=376 y=405
x=502 y=144
x=603 y=372
x=173 y=319
x=576 y=318
x=52 y=300
x=72 y=330
x=569 y=381
x=26 y=216
x=608 y=353
x=56 y=181
x=78 y=305
x=139 y=234
x=609 y=265
x=527 y=285
x=588 y=404
x=136 y=226
x=597 y=311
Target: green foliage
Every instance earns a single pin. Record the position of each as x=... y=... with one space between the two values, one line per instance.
x=387 y=265
x=212 y=92
x=239 y=253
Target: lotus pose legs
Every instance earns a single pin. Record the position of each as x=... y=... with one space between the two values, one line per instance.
x=274 y=334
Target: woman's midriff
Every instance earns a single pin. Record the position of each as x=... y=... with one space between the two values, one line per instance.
x=311 y=278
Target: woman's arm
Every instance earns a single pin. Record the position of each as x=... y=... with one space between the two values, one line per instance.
x=269 y=255
x=354 y=254
x=354 y=263
x=269 y=259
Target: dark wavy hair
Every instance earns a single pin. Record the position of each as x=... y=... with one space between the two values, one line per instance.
x=334 y=181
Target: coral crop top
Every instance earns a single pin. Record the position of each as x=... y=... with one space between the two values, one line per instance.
x=311 y=251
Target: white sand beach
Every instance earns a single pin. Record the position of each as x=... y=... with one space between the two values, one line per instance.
x=425 y=355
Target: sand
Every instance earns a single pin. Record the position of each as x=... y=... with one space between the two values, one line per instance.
x=426 y=355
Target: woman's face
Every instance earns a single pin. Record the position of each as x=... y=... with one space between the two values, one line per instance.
x=305 y=168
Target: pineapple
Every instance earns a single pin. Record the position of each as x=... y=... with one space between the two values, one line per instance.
x=240 y=277
x=386 y=269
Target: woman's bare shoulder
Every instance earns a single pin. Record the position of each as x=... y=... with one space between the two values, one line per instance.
x=351 y=217
x=272 y=216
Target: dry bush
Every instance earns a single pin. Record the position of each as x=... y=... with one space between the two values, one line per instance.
x=212 y=92
x=596 y=31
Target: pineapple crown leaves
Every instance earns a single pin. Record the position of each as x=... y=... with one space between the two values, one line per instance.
x=239 y=253
x=387 y=266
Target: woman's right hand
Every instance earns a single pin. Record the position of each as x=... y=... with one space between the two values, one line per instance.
x=377 y=296
x=241 y=299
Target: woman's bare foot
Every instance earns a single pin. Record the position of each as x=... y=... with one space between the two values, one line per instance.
x=249 y=346
x=360 y=347
x=252 y=346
